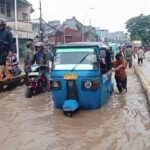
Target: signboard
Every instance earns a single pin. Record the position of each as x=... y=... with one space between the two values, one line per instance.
x=24 y=35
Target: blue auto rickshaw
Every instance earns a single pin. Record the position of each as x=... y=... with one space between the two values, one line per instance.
x=81 y=76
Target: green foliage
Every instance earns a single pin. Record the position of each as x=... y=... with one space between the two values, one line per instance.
x=139 y=28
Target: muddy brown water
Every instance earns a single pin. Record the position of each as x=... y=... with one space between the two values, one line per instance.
x=33 y=124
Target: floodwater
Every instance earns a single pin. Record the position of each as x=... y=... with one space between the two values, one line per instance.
x=33 y=124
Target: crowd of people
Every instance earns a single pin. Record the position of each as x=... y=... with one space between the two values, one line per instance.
x=123 y=60
x=35 y=53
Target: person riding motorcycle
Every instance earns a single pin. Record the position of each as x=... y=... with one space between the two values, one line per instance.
x=40 y=58
x=6 y=44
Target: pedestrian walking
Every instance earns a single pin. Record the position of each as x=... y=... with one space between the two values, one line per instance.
x=141 y=55
x=128 y=53
x=119 y=67
x=28 y=56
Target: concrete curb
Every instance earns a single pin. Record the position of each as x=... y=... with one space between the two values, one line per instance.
x=144 y=81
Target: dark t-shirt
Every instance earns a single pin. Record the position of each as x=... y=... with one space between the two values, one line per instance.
x=6 y=40
x=39 y=58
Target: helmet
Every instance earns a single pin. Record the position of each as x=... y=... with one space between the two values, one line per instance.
x=39 y=44
x=2 y=21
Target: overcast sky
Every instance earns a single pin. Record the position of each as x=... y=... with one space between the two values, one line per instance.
x=106 y=14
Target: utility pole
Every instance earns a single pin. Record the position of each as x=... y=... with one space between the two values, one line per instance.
x=41 y=28
x=16 y=26
x=83 y=27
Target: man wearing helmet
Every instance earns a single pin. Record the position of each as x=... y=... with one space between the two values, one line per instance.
x=6 y=44
x=40 y=58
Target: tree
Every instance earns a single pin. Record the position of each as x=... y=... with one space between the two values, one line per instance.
x=139 y=28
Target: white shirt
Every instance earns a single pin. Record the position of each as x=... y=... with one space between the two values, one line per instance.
x=140 y=53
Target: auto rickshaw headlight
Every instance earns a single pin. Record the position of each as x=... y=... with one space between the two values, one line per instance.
x=56 y=84
x=87 y=84
x=90 y=84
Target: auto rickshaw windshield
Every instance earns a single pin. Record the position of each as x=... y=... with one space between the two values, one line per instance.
x=75 y=56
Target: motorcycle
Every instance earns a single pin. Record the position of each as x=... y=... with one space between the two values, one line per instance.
x=36 y=81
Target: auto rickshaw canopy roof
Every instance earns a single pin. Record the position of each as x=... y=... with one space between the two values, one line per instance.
x=83 y=44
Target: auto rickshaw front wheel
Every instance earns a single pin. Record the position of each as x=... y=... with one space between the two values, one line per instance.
x=68 y=113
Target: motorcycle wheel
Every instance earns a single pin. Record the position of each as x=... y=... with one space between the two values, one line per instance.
x=29 y=93
x=44 y=89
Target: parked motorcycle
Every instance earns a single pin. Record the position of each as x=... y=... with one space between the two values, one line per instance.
x=36 y=81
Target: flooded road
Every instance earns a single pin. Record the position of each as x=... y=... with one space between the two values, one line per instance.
x=33 y=124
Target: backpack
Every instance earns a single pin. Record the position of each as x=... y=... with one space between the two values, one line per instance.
x=128 y=52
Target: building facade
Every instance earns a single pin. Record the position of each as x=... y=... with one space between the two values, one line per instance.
x=118 y=36
x=7 y=11
x=102 y=34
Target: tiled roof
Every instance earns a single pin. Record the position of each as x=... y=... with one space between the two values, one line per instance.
x=25 y=2
x=72 y=24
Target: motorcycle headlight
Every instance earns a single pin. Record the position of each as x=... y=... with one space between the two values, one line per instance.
x=31 y=79
x=56 y=84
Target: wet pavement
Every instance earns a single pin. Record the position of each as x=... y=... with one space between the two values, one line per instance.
x=33 y=124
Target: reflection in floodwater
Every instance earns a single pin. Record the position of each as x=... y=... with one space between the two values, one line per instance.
x=33 y=124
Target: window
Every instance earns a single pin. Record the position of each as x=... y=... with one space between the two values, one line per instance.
x=25 y=16
x=2 y=10
x=103 y=63
x=2 y=7
x=8 y=9
x=105 y=60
